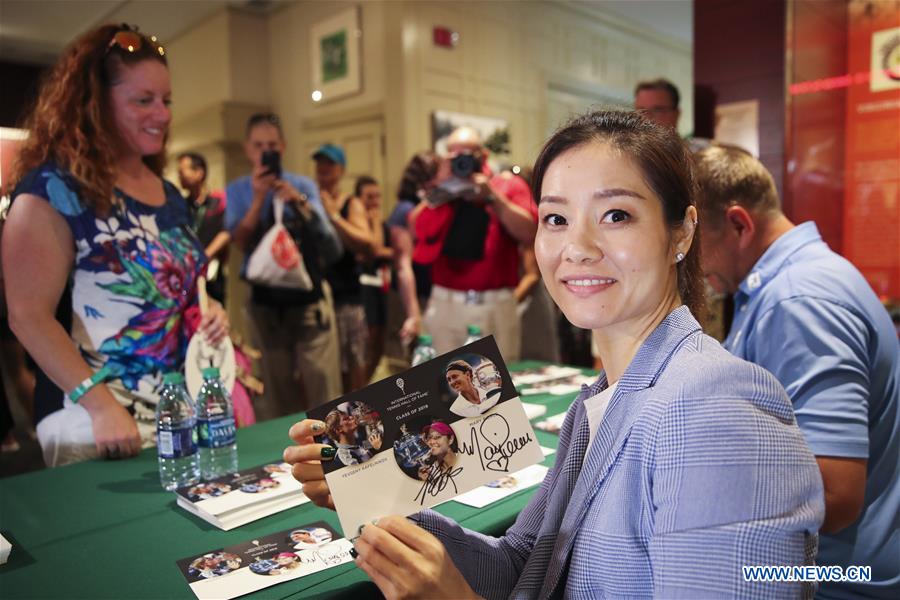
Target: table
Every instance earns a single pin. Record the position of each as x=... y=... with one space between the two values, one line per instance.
x=108 y=530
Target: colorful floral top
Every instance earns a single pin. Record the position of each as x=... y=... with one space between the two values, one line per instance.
x=133 y=284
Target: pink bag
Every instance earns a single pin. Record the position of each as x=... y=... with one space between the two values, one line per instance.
x=243 y=408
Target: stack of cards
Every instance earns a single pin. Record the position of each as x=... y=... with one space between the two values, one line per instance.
x=553 y=424
x=507 y=485
x=230 y=572
x=543 y=375
x=555 y=380
x=233 y=500
x=533 y=411
x=425 y=436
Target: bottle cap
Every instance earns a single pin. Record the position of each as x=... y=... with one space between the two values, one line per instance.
x=474 y=330
x=424 y=340
x=173 y=378
x=210 y=373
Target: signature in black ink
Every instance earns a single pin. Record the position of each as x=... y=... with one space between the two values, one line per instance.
x=438 y=478
x=499 y=448
x=336 y=556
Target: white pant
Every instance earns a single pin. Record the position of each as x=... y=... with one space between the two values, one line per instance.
x=494 y=312
x=67 y=435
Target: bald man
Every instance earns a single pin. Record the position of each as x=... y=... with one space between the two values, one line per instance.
x=472 y=243
x=807 y=315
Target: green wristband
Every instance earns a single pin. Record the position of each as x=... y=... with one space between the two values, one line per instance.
x=85 y=386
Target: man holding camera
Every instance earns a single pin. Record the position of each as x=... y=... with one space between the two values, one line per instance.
x=470 y=231
x=294 y=327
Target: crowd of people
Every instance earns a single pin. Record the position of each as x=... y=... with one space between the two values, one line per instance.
x=685 y=458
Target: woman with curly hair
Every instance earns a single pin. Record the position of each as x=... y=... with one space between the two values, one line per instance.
x=92 y=211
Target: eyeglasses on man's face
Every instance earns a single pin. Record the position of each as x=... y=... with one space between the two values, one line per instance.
x=657 y=110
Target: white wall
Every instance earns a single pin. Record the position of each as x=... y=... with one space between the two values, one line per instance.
x=199 y=64
x=531 y=63
x=291 y=77
x=518 y=60
x=249 y=58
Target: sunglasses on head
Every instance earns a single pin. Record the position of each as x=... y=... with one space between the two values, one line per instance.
x=129 y=40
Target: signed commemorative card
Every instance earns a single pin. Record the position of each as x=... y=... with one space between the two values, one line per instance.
x=230 y=572
x=422 y=437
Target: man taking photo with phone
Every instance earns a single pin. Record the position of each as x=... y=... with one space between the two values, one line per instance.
x=293 y=325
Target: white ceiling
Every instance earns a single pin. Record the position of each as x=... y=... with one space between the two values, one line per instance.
x=35 y=31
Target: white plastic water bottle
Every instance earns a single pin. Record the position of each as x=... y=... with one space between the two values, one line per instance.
x=215 y=427
x=473 y=333
x=176 y=434
x=424 y=350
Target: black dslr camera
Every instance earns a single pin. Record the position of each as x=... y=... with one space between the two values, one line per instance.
x=465 y=165
x=461 y=185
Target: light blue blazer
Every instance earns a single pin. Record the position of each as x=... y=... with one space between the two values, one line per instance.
x=697 y=469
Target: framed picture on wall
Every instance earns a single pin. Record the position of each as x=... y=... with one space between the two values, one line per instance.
x=334 y=51
x=494 y=134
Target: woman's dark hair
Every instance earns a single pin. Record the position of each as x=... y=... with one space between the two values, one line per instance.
x=361 y=182
x=666 y=165
x=420 y=169
x=197 y=161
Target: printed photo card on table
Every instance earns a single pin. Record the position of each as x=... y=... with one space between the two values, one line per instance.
x=240 y=569
x=422 y=437
x=238 y=498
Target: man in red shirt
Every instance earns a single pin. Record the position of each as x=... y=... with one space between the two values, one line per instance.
x=472 y=244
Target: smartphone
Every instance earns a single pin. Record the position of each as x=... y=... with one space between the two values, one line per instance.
x=271 y=159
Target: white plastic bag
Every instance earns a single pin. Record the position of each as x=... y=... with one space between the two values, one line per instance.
x=277 y=262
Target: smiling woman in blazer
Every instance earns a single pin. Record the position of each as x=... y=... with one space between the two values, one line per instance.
x=680 y=465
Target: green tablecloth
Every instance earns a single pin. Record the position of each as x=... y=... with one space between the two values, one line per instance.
x=108 y=530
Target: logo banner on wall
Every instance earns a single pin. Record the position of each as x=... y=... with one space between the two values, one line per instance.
x=885 y=60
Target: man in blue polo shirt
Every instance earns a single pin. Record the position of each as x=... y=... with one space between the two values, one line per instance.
x=807 y=315
x=295 y=328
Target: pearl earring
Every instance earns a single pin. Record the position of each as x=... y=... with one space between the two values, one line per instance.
x=679 y=256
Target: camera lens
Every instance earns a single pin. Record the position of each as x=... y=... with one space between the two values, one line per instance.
x=463 y=165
